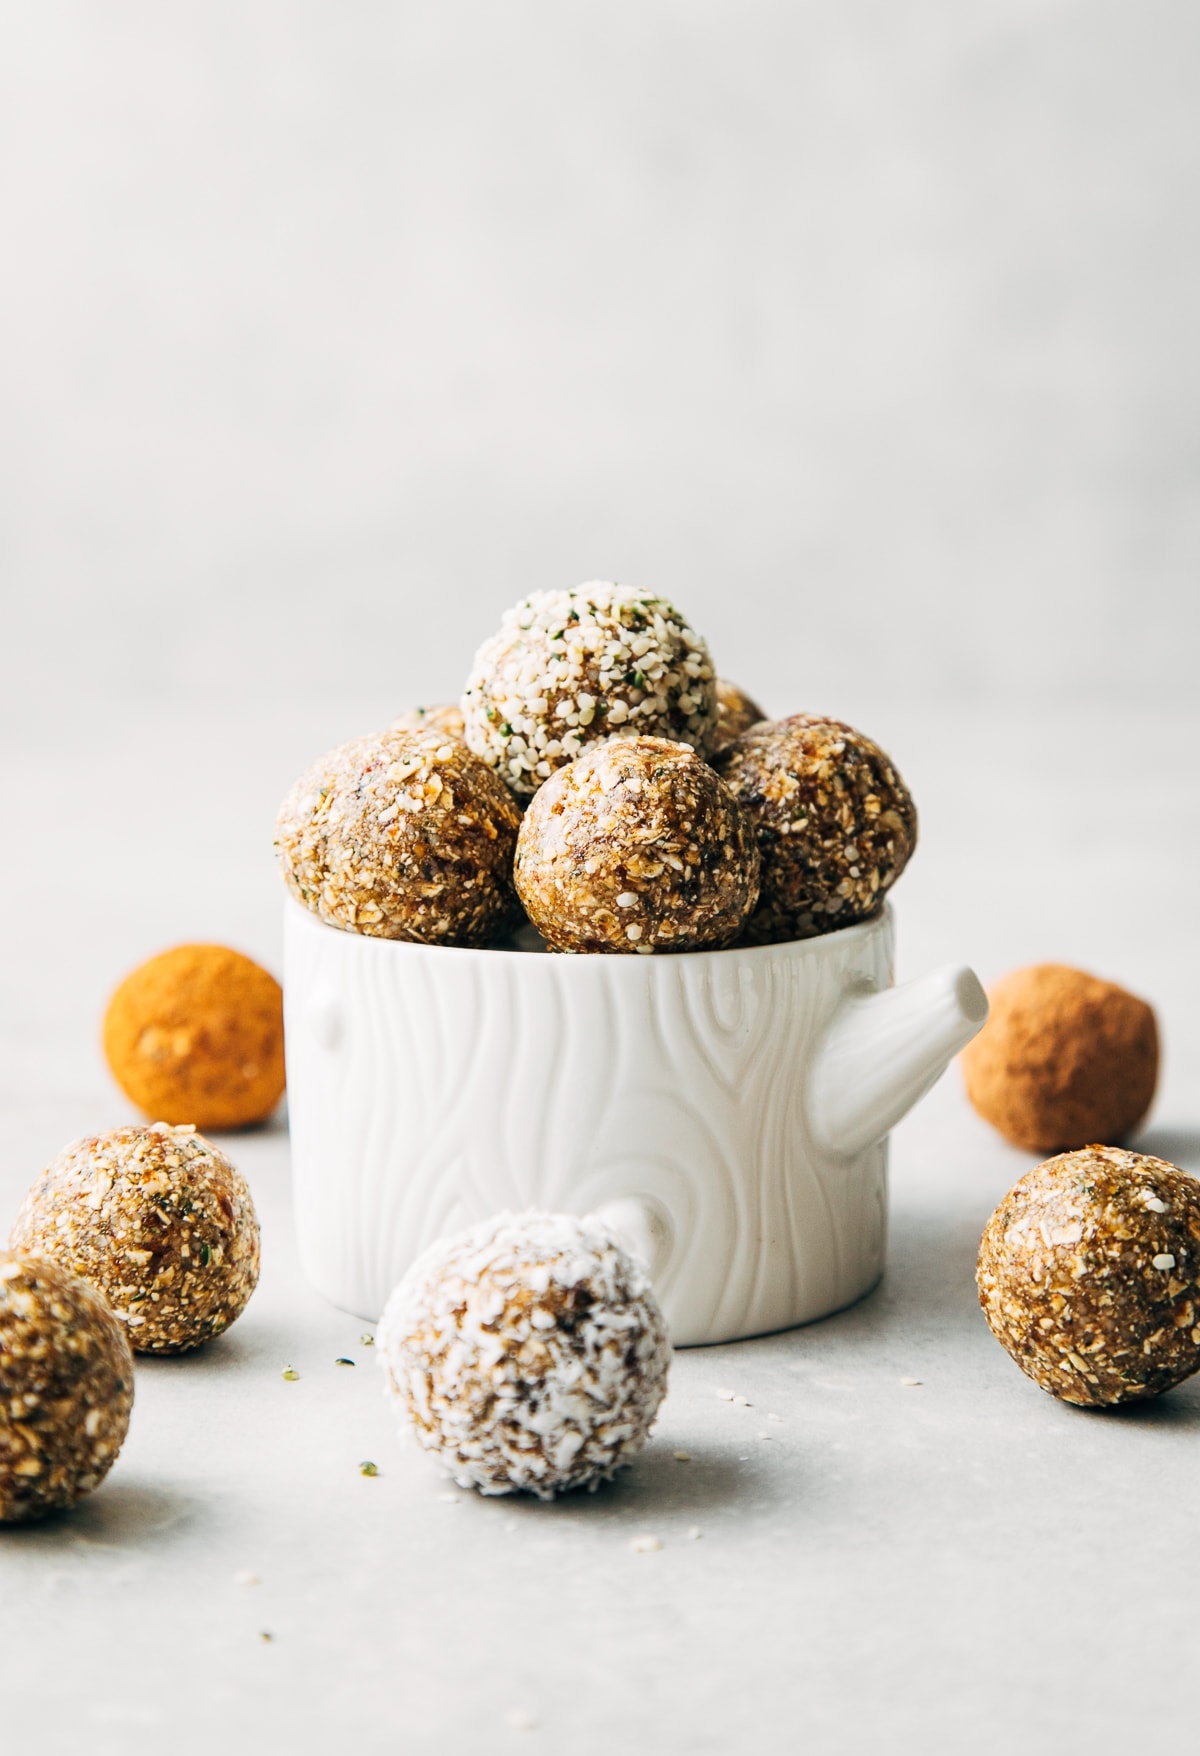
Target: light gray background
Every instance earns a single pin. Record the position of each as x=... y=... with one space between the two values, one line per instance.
x=865 y=330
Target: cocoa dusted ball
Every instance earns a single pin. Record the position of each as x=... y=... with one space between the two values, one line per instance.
x=835 y=823
x=636 y=846
x=403 y=835
x=569 y=667
x=159 y=1221
x=1089 y=1275
x=736 y=713
x=528 y=1353
x=1064 y=1059
x=66 y=1388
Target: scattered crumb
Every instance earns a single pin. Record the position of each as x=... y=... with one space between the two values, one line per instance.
x=914 y=1382
x=264 y=1636
x=645 y=1545
x=694 y=1533
x=742 y=1402
x=366 y=1341
x=778 y=1419
x=726 y=1395
x=367 y=1468
x=290 y=1374
x=765 y=1435
x=343 y=1361
x=520 y=1719
x=683 y=1456
x=245 y=1577
x=449 y=1499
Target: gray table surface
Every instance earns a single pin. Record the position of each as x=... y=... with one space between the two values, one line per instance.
x=883 y=1565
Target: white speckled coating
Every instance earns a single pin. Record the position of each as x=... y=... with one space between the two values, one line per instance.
x=568 y=667
x=528 y=1352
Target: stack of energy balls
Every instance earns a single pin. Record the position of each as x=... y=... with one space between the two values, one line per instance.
x=600 y=781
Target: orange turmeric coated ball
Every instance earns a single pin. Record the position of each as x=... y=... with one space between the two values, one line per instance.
x=196 y=1035
x=1065 y=1059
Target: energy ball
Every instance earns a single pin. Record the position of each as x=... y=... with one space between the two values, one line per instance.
x=736 y=713
x=196 y=1035
x=1088 y=1275
x=636 y=846
x=445 y=717
x=159 y=1222
x=403 y=835
x=1064 y=1059
x=66 y=1388
x=568 y=667
x=529 y=1353
x=835 y=823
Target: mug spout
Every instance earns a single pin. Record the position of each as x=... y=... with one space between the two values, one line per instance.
x=883 y=1051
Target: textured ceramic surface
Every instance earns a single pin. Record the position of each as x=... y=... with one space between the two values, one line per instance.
x=726 y=1111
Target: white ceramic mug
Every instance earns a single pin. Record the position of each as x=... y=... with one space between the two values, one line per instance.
x=725 y=1111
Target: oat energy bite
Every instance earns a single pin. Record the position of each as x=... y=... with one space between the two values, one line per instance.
x=403 y=835
x=568 y=667
x=636 y=846
x=66 y=1388
x=1064 y=1059
x=736 y=713
x=196 y=1035
x=1089 y=1275
x=528 y=1353
x=445 y=717
x=159 y=1221
x=835 y=823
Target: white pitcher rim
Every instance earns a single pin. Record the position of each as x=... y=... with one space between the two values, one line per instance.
x=841 y=936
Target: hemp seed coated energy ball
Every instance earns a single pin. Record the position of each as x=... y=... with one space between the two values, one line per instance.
x=403 y=835
x=1063 y=1059
x=445 y=717
x=636 y=846
x=196 y=1035
x=736 y=713
x=835 y=823
x=159 y=1222
x=568 y=667
x=66 y=1388
x=529 y=1354
x=1089 y=1275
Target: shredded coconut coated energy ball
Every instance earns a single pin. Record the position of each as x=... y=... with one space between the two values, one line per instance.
x=159 y=1221
x=403 y=835
x=835 y=823
x=66 y=1388
x=636 y=846
x=529 y=1353
x=568 y=667
x=1089 y=1275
